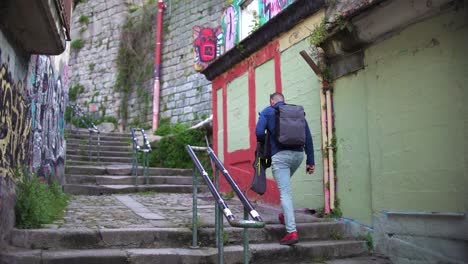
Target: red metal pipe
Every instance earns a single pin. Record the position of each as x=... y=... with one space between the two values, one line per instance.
x=157 y=64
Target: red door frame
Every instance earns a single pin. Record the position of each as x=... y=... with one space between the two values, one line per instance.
x=243 y=176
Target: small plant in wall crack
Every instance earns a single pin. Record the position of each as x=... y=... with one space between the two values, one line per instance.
x=77 y=44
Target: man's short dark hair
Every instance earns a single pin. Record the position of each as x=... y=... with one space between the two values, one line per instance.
x=277 y=97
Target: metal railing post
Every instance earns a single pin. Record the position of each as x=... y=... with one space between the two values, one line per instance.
x=195 y=210
x=216 y=182
x=89 y=147
x=246 y=238
x=99 y=147
x=220 y=239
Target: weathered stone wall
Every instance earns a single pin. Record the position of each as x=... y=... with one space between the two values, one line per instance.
x=185 y=94
x=94 y=65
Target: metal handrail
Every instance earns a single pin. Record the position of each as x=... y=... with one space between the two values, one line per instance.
x=145 y=149
x=92 y=128
x=221 y=204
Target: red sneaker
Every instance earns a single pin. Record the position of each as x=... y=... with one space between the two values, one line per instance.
x=289 y=239
x=281 y=218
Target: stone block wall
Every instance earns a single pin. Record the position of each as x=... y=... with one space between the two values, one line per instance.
x=94 y=65
x=185 y=93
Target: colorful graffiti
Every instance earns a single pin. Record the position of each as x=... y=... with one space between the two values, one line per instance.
x=48 y=103
x=15 y=121
x=270 y=8
x=207 y=45
x=230 y=26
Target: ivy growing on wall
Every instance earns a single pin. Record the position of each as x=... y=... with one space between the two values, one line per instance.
x=135 y=62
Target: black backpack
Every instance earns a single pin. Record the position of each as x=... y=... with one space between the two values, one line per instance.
x=290 y=125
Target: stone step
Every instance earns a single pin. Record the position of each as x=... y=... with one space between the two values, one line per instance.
x=86 y=132
x=258 y=253
x=116 y=159
x=164 y=237
x=126 y=148
x=103 y=153
x=84 y=143
x=118 y=179
x=82 y=189
x=112 y=137
x=93 y=163
x=124 y=169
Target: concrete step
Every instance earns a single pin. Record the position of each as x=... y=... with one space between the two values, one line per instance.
x=118 y=179
x=124 y=169
x=82 y=189
x=102 y=158
x=258 y=253
x=162 y=237
x=84 y=142
x=103 y=153
x=126 y=148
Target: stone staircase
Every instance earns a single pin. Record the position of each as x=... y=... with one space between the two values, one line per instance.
x=113 y=173
x=172 y=245
x=161 y=238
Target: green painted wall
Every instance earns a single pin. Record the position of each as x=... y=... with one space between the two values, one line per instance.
x=238 y=114
x=353 y=171
x=301 y=86
x=412 y=98
x=219 y=110
x=264 y=86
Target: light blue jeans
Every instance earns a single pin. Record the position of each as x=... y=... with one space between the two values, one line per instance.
x=283 y=165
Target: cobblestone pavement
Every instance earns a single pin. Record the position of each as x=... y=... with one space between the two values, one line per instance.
x=176 y=209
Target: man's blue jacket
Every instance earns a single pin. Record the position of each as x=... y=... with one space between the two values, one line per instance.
x=267 y=120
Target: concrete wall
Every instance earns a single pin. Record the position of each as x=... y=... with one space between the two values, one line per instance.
x=185 y=94
x=401 y=125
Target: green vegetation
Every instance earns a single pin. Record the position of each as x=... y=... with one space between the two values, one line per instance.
x=170 y=150
x=335 y=235
x=228 y=196
x=133 y=8
x=84 y=20
x=318 y=34
x=77 y=44
x=38 y=203
x=135 y=63
x=91 y=66
x=369 y=240
x=74 y=91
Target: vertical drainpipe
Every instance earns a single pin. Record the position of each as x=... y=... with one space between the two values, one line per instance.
x=157 y=64
x=331 y=159
x=326 y=167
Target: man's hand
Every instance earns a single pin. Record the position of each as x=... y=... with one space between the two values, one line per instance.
x=310 y=169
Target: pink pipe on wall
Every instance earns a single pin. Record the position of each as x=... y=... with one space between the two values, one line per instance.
x=157 y=64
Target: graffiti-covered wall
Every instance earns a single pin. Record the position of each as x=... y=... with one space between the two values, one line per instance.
x=33 y=93
x=232 y=18
x=14 y=127
x=48 y=88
